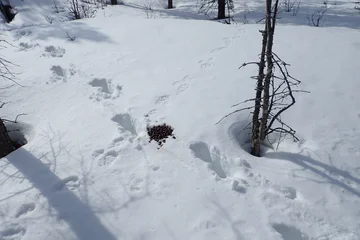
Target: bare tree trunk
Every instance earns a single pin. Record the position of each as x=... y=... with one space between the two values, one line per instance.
x=170 y=4
x=255 y=136
x=270 y=22
x=114 y=2
x=6 y=145
x=221 y=9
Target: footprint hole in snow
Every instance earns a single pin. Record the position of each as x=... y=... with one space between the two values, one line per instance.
x=24 y=209
x=155 y=168
x=98 y=152
x=102 y=83
x=201 y=150
x=237 y=187
x=12 y=232
x=58 y=70
x=125 y=121
x=289 y=232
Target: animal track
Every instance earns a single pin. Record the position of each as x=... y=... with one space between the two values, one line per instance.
x=13 y=232
x=201 y=150
x=117 y=140
x=98 y=152
x=289 y=232
x=288 y=192
x=237 y=187
x=24 y=209
x=162 y=100
x=106 y=90
x=182 y=88
x=51 y=51
x=205 y=225
x=108 y=158
x=183 y=84
x=206 y=63
x=27 y=46
x=20 y=34
x=71 y=182
x=61 y=74
x=136 y=185
x=126 y=122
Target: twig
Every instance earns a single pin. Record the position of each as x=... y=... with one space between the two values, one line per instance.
x=238 y=110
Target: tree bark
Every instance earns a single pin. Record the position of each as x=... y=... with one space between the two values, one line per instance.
x=255 y=136
x=270 y=22
x=221 y=9
x=6 y=145
x=170 y=4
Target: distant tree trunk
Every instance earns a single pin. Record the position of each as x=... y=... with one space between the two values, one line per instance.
x=170 y=4
x=6 y=145
x=221 y=9
x=114 y=2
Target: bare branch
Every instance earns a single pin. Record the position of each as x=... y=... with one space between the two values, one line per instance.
x=248 y=63
x=236 y=111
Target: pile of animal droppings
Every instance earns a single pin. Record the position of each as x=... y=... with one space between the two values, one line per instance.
x=160 y=133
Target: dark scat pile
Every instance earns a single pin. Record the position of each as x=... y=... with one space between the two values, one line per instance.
x=160 y=133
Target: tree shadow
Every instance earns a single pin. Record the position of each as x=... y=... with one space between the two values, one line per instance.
x=69 y=207
x=79 y=29
x=328 y=172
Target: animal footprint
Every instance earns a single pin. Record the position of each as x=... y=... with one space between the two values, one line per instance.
x=117 y=140
x=205 y=225
x=239 y=187
x=162 y=100
x=98 y=152
x=22 y=33
x=201 y=150
x=126 y=122
x=106 y=90
x=71 y=182
x=13 y=232
x=218 y=49
x=136 y=185
x=206 y=63
x=108 y=158
x=289 y=232
x=288 y=192
x=24 y=209
x=183 y=84
x=27 y=46
x=51 y=51
x=61 y=74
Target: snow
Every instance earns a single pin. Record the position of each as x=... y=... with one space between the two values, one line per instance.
x=89 y=172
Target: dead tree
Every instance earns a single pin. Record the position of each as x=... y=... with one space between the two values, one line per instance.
x=273 y=92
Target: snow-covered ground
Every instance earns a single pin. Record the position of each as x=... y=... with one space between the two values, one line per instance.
x=89 y=172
